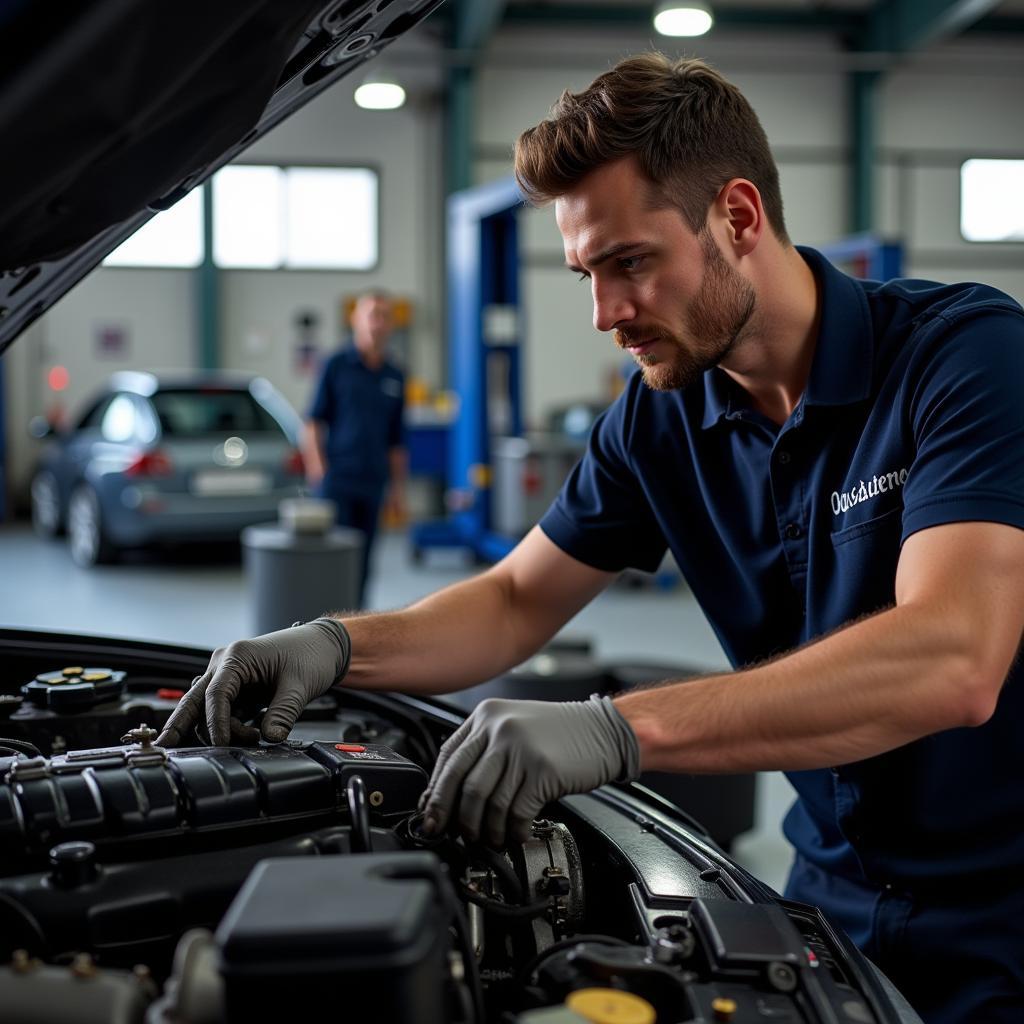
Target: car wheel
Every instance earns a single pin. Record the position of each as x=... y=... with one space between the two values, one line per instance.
x=46 y=520
x=86 y=539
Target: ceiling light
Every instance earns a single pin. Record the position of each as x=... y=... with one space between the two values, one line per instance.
x=683 y=18
x=379 y=92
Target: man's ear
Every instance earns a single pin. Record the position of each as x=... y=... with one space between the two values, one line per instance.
x=739 y=209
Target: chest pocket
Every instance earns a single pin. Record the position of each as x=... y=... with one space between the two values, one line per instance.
x=886 y=521
x=866 y=555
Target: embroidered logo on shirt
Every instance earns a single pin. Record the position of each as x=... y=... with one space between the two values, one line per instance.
x=843 y=501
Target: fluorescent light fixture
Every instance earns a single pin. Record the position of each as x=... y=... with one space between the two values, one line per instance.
x=379 y=92
x=683 y=18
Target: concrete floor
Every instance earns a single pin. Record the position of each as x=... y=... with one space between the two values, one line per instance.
x=198 y=596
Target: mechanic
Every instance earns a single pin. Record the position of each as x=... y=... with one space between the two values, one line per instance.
x=836 y=467
x=353 y=441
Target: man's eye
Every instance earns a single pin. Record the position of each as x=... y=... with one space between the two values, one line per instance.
x=630 y=262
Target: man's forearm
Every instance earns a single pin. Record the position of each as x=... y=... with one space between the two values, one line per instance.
x=313 y=451
x=398 y=467
x=873 y=686
x=461 y=635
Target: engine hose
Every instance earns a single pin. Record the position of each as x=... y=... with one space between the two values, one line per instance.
x=359 y=811
x=526 y=972
x=20 y=747
x=500 y=909
x=500 y=866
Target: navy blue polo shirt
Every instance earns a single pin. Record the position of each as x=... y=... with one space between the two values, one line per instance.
x=913 y=416
x=363 y=412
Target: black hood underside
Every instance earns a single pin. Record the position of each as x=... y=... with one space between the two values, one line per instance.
x=112 y=110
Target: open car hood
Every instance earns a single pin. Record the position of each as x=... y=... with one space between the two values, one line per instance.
x=112 y=110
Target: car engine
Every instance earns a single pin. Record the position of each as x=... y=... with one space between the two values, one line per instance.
x=204 y=884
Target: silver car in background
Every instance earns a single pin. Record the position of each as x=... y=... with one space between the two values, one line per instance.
x=168 y=458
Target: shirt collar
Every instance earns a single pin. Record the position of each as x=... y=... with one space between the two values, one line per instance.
x=718 y=399
x=842 y=367
x=841 y=372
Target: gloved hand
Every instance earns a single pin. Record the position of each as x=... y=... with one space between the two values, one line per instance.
x=511 y=757
x=288 y=668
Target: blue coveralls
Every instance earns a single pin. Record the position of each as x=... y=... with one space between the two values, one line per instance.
x=913 y=416
x=362 y=411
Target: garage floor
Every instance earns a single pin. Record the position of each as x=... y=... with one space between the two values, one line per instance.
x=198 y=596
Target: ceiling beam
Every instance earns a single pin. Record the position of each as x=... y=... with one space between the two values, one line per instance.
x=903 y=26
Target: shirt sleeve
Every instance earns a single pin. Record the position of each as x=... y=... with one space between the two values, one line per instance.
x=967 y=415
x=322 y=407
x=601 y=516
x=396 y=425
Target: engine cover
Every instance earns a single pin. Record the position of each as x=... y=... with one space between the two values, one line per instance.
x=144 y=795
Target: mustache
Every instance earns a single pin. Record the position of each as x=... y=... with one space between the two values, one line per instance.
x=625 y=338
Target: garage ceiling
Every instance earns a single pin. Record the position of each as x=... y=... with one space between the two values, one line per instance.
x=897 y=26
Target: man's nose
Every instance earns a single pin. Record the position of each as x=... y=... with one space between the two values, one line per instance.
x=612 y=307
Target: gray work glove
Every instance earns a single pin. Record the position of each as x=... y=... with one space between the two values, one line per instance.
x=511 y=757
x=286 y=670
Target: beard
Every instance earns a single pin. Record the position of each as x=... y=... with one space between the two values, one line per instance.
x=714 y=323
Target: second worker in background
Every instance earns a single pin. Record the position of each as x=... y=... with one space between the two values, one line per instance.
x=353 y=444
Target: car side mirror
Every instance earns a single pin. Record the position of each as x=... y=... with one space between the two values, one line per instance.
x=41 y=428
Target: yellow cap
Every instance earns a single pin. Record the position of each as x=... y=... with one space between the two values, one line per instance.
x=73 y=670
x=724 y=1008
x=610 y=1006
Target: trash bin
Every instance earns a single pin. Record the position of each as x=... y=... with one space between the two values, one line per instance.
x=294 y=577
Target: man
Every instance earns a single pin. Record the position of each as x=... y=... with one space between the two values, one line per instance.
x=835 y=466
x=353 y=438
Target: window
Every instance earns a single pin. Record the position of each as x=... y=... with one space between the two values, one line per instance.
x=173 y=238
x=302 y=218
x=992 y=200
x=188 y=412
x=270 y=218
x=248 y=217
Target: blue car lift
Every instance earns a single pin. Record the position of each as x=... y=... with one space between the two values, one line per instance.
x=483 y=273
x=867 y=256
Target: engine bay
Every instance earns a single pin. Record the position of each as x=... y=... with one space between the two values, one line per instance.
x=207 y=884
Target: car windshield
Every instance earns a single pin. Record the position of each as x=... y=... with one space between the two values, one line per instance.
x=192 y=412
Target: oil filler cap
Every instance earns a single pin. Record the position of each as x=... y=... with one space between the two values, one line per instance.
x=610 y=1006
x=74 y=688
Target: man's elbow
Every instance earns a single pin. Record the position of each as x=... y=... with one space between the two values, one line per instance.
x=977 y=688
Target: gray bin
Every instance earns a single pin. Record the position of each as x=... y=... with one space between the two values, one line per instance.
x=297 y=576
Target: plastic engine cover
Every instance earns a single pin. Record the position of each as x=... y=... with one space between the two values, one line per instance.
x=134 y=794
x=362 y=937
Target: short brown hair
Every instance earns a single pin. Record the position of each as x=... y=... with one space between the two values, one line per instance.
x=690 y=129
